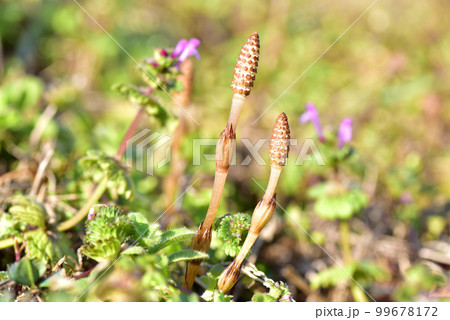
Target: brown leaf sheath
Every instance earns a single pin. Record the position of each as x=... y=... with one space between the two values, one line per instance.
x=225 y=148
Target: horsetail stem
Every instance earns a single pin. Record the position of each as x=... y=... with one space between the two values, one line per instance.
x=246 y=66
x=243 y=78
x=278 y=150
x=200 y=242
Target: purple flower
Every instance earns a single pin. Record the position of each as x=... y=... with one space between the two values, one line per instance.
x=148 y=91
x=345 y=132
x=406 y=198
x=91 y=214
x=312 y=115
x=185 y=49
x=152 y=62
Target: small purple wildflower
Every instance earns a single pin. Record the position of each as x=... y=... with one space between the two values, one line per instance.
x=185 y=49
x=93 y=211
x=164 y=52
x=91 y=214
x=148 y=91
x=406 y=198
x=345 y=132
x=312 y=115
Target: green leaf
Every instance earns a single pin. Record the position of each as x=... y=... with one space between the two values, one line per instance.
x=21 y=93
x=362 y=271
x=317 y=190
x=10 y=226
x=26 y=272
x=367 y=272
x=171 y=237
x=212 y=277
x=96 y=165
x=339 y=204
x=135 y=250
x=106 y=232
x=27 y=210
x=101 y=251
x=108 y=223
x=40 y=246
x=219 y=296
x=233 y=230
x=332 y=276
x=185 y=255
x=3 y=275
x=136 y=96
x=140 y=223
x=263 y=297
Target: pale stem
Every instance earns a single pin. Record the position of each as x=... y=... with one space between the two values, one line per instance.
x=358 y=294
x=191 y=273
x=345 y=241
x=247 y=246
x=130 y=133
x=275 y=172
x=82 y=213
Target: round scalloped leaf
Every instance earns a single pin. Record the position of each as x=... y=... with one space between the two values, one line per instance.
x=233 y=230
x=342 y=206
x=40 y=246
x=97 y=165
x=105 y=250
x=28 y=210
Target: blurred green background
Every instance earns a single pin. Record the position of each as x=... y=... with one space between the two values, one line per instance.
x=389 y=72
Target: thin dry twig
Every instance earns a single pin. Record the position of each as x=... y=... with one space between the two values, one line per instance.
x=41 y=125
x=48 y=151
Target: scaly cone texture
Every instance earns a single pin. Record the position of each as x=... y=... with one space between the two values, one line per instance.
x=279 y=143
x=246 y=66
